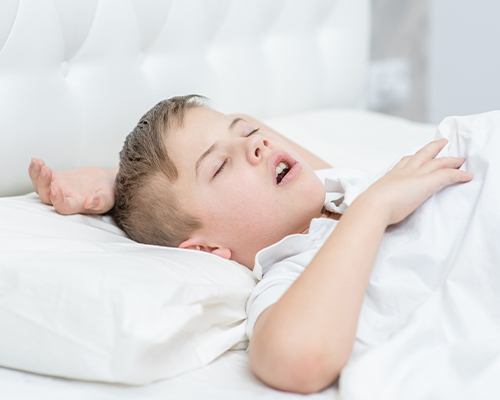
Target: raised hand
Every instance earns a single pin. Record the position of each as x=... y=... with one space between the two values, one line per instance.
x=82 y=190
x=414 y=179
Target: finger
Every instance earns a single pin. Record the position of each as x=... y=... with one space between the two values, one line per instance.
x=63 y=203
x=446 y=177
x=43 y=184
x=32 y=165
x=401 y=163
x=57 y=198
x=99 y=203
x=428 y=152
x=443 y=162
x=34 y=171
x=92 y=203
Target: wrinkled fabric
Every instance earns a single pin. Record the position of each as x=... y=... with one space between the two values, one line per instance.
x=429 y=326
x=342 y=186
x=430 y=323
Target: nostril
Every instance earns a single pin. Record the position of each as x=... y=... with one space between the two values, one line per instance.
x=257 y=152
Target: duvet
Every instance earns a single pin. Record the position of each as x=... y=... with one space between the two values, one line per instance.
x=430 y=323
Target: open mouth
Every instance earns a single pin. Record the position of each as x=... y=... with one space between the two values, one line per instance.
x=283 y=167
x=281 y=170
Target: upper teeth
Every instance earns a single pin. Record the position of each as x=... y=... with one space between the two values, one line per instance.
x=280 y=167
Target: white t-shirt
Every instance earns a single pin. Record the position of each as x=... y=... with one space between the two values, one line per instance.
x=277 y=266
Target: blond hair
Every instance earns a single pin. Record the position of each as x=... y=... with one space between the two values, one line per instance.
x=146 y=207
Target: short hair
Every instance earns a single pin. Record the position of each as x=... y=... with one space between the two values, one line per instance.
x=146 y=206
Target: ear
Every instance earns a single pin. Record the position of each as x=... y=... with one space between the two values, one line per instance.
x=194 y=244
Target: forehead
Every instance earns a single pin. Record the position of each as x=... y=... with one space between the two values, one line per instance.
x=200 y=124
x=198 y=120
x=200 y=128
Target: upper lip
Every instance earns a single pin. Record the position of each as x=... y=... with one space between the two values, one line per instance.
x=275 y=158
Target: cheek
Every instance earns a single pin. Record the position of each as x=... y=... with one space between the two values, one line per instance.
x=243 y=196
x=247 y=196
x=236 y=199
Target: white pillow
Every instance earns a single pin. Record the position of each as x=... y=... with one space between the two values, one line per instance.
x=355 y=138
x=80 y=300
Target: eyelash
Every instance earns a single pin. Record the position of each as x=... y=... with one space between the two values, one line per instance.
x=224 y=163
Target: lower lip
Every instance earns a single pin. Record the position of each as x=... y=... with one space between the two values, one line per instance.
x=292 y=174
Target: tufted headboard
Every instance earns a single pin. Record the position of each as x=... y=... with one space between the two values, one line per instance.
x=76 y=75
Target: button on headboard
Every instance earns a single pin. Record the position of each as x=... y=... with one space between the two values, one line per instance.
x=75 y=76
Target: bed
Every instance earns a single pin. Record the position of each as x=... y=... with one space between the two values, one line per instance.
x=76 y=76
x=229 y=375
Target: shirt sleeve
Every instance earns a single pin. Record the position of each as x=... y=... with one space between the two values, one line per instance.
x=270 y=289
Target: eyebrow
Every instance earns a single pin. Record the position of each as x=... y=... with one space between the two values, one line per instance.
x=212 y=147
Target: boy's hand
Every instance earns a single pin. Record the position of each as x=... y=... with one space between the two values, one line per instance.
x=83 y=190
x=414 y=179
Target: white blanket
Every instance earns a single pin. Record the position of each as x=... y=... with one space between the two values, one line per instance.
x=430 y=323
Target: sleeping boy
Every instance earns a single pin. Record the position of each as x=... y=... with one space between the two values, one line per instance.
x=194 y=178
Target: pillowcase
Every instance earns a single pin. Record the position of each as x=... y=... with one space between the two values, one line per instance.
x=80 y=300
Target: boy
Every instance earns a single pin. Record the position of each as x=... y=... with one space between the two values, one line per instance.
x=195 y=178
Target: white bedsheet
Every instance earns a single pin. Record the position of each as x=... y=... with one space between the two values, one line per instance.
x=431 y=318
x=228 y=378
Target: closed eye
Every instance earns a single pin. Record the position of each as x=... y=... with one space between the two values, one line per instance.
x=220 y=169
x=251 y=133
x=224 y=163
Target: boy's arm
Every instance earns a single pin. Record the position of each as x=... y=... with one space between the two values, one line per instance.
x=302 y=342
x=313 y=160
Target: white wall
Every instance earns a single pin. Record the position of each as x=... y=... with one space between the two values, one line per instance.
x=398 y=58
x=464 y=57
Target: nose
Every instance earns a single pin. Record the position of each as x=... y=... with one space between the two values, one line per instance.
x=257 y=148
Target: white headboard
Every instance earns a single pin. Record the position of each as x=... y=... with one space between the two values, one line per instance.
x=76 y=75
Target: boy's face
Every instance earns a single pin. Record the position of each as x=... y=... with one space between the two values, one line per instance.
x=242 y=208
